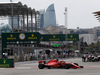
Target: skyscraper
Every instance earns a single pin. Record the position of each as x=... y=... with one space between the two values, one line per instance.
x=41 y=18
x=50 y=17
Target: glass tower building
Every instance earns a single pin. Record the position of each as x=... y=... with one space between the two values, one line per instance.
x=50 y=17
x=41 y=18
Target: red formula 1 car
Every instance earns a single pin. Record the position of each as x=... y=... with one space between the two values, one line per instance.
x=55 y=63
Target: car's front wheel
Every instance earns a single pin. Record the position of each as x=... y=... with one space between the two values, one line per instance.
x=81 y=67
x=67 y=66
x=41 y=66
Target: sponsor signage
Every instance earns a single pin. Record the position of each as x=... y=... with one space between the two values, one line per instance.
x=53 y=37
x=6 y=63
x=60 y=37
x=72 y=37
x=21 y=38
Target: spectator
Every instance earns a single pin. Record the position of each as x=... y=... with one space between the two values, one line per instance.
x=84 y=58
x=64 y=54
x=26 y=55
x=30 y=56
x=33 y=56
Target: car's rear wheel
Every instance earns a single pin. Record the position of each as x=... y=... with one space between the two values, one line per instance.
x=67 y=66
x=41 y=66
x=49 y=67
x=76 y=64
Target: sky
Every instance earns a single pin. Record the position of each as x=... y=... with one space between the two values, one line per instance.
x=79 y=12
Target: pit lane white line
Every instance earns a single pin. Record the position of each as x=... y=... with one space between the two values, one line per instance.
x=91 y=73
x=20 y=68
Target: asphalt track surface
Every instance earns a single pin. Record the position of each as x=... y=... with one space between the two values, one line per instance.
x=30 y=68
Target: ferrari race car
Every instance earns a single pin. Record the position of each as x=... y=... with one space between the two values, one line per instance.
x=55 y=63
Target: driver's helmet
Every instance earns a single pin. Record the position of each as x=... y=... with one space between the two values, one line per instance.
x=57 y=60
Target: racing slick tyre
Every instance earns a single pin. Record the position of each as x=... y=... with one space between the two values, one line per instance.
x=76 y=64
x=49 y=67
x=81 y=67
x=41 y=66
x=67 y=66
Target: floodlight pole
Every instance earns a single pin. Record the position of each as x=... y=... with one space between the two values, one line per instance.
x=66 y=23
x=66 y=17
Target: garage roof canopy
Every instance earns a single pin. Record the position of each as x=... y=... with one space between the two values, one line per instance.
x=18 y=8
